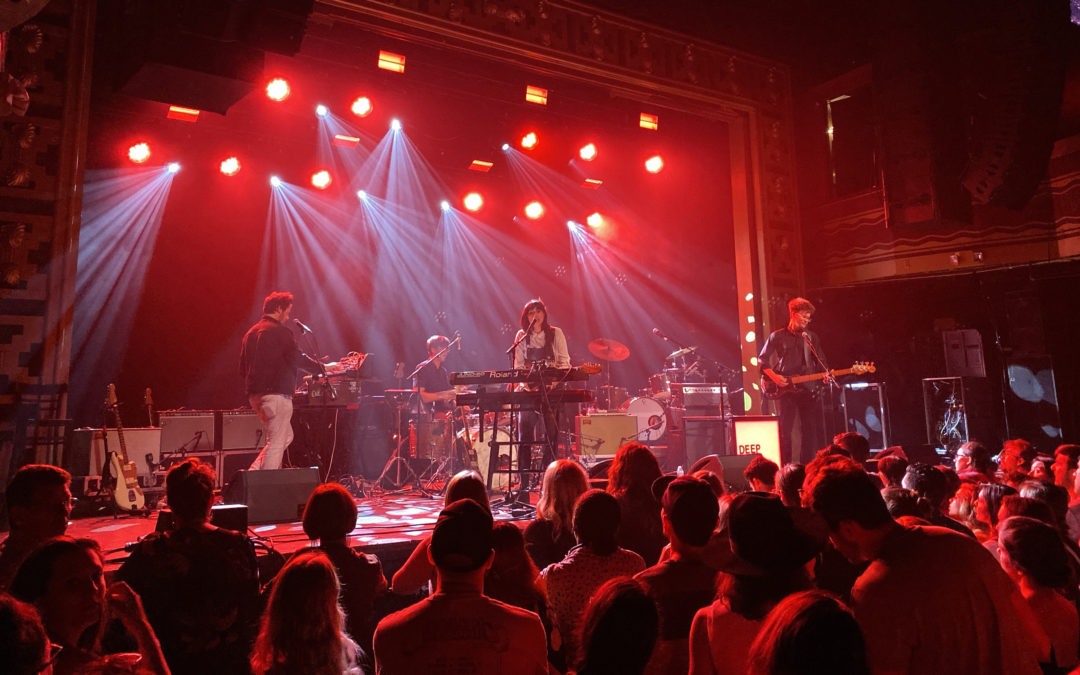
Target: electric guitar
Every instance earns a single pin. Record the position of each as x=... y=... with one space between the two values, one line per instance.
x=126 y=491
x=772 y=390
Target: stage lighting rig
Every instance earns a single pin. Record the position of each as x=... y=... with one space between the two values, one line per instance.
x=321 y=179
x=139 y=153
x=654 y=164
x=278 y=89
x=362 y=106
x=230 y=166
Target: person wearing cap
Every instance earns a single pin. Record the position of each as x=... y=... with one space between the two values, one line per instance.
x=459 y=629
x=684 y=582
x=767 y=560
x=931 y=600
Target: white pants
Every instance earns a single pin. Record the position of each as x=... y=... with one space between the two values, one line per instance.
x=275 y=413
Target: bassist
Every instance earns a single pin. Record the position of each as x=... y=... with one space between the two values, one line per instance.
x=786 y=354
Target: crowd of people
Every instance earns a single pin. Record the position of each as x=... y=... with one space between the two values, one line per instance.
x=839 y=566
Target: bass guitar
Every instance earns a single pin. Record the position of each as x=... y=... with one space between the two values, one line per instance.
x=771 y=390
x=126 y=491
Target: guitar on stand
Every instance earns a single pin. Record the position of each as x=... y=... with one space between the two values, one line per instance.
x=123 y=475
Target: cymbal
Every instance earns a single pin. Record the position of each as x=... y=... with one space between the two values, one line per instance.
x=678 y=353
x=609 y=350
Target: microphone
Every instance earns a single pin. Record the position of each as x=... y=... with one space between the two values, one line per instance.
x=303 y=328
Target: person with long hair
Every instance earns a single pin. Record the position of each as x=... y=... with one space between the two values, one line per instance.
x=551 y=534
x=64 y=579
x=1033 y=554
x=767 y=560
x=538 y=342
x=419 y=570
x=987 y=506
x=809 y=633
x=329 y=516
x=302 y=631
x=630 y=480
x=619 y=629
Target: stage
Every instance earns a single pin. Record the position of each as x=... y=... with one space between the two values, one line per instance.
x=388 y=525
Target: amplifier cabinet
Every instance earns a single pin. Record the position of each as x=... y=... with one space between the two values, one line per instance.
x=601 y=435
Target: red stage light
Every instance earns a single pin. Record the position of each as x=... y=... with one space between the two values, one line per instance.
x=529 y=140
x=588 y=152
x=537 y=95
x=595 y=220
x=139 y=153
x=481 y=165
x=278 y=89
x=654 y=164
x=230 y=166
x=395 y=63
x=177 y=112
x=362 y=107
x=321 y=179
x=534 y=210
x=650 y=122
x=592 y=183
x=473 y=201
x=345 y=141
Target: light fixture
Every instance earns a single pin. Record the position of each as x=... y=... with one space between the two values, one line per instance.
x=529 y=140
x=139 y=153
x=654 y=164
x=473 y=201
x=321 y=179
x=362 y=107
x=230 y=166
x=534 y=210
x=278 y=89
x=587 y=152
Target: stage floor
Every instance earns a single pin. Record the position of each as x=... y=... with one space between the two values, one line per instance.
x=388 y=524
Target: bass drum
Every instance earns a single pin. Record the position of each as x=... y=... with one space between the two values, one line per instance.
x=651 y=418
x=476 y=455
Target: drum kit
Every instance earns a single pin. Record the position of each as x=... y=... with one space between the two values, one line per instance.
x=650 y=404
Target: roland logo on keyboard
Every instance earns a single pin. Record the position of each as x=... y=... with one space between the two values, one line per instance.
x=702 y=390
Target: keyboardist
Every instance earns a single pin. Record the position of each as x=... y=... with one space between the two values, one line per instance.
x=538 y=342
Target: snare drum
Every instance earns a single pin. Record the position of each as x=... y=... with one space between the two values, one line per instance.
x=651 y=417
x=480 y=450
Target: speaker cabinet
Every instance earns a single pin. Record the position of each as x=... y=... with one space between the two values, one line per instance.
x=228 y=516
x=695 y=437
x=273 y=495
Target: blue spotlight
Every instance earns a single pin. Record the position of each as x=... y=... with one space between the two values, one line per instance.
x=362 y=195
x=174 y=167
x=321 y=110
x=275 y=181
x=395 y=125
x=505 y=147
x=444 y=205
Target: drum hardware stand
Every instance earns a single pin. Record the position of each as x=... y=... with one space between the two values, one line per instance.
x=396 y=461
x=652 y=427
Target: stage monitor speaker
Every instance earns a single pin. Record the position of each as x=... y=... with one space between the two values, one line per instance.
x=758 y=435
x=601 y=435
x=273 y=495
x=227 y=516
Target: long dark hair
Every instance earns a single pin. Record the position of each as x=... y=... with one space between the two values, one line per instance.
x=545 y=325
x=302 y=627
x=619 y=628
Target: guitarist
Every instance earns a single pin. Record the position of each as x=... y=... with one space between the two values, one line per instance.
x=784 y=354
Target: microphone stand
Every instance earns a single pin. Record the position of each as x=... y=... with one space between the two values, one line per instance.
x=817 y=357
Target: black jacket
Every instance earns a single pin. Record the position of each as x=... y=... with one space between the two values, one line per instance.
x=269 y=358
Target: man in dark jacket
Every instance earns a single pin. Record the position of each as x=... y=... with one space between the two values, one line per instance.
x=269 y=358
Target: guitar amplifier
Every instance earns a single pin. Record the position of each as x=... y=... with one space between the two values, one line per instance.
x=699 y=398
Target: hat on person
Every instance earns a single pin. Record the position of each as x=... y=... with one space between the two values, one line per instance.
x=763 y=538
x=660 y=485
x=692 y=508
x=461 y=541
